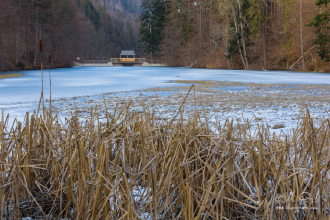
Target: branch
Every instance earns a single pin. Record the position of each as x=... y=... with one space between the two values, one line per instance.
x=226 y=54
x=301 y=58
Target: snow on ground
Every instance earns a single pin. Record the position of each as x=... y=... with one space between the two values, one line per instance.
x=279 y=105
x=276 y=98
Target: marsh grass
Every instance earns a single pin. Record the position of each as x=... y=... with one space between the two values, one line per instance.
x=11 y=75
x=130 y=165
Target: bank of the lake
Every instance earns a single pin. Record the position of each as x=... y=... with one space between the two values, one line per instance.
x=9 y=75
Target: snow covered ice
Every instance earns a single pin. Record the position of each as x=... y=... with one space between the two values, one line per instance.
x=292 y=92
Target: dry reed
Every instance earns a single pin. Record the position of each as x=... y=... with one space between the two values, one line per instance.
x=11 y=75
x=50 y=84
x=132 y=166
x=42 y=80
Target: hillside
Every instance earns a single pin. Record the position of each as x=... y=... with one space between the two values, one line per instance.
x=124 y=15
x=67 y=29
x=130 y=7
x=239 y=34
x=228 y=34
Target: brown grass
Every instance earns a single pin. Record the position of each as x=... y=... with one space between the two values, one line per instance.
x=132 y=166
x=4 y=76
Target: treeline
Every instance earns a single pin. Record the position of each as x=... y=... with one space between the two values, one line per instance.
x=239 y=34
x=68 y=28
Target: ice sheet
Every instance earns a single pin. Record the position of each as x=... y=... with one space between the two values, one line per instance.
x=21 y=95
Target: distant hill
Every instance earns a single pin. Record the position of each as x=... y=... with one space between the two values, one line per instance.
x=129 y=7
x=124 y=15
x=69 y=29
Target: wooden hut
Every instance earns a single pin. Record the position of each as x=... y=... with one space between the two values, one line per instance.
x=127 y=56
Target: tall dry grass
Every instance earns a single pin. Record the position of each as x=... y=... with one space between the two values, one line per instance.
x=11 y=75
x=132 y=166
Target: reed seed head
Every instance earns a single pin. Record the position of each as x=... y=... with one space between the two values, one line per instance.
x=49 y=58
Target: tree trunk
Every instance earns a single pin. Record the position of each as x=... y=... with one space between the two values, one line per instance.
x=264 y=34
x=241 y=43
x=200 y=28
x=238 y=42
x=301 y=37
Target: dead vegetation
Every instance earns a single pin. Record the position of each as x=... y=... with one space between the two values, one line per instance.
x=276 y=103
x=133 y=166
x=11 y=75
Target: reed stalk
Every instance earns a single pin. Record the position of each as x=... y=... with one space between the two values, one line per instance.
x=50 y=84
x=42 y=80
x=131 y=166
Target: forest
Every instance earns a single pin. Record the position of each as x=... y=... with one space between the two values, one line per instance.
x=228 y=34
x=68 y=29
x=238 y=34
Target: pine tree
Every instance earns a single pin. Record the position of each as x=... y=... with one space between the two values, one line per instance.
x=152 y=23
x=321 y=23
x=257 y=13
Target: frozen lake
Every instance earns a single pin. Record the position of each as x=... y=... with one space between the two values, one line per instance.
x=21 y=95
x=82 y=81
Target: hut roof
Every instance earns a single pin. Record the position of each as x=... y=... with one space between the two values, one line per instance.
x=127 y=53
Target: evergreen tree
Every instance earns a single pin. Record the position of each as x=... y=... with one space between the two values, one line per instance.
x=321 y=23
x=257 y=15
x=152 y=23
x=92 y=14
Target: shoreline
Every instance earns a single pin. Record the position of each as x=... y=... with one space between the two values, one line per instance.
x=9 y=75
x=5 y=71
x=28 y=68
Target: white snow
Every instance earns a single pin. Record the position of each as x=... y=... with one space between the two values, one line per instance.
x=87 y=85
